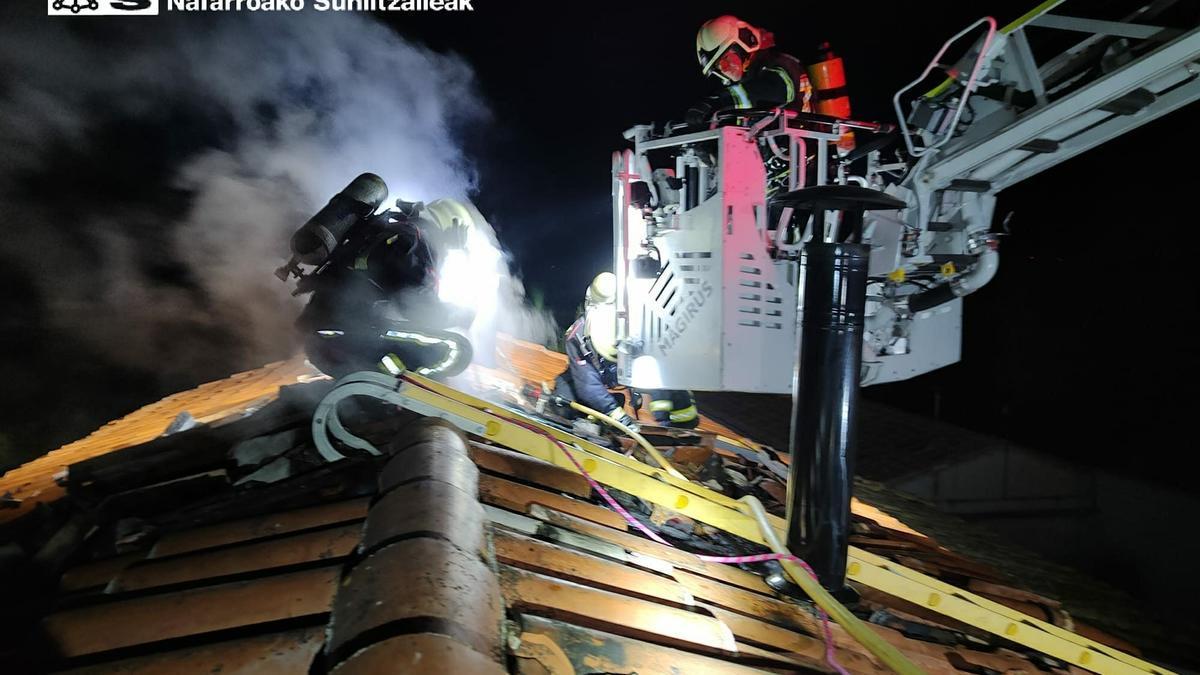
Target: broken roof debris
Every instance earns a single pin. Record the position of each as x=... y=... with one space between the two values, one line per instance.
x=451 y=553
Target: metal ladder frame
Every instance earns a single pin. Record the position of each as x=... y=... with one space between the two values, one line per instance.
x=1074 y=122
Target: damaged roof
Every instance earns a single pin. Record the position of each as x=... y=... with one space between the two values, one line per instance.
x=212 y=403
x=232 y=546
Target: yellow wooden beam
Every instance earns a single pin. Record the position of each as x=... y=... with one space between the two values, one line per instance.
x=618 y=471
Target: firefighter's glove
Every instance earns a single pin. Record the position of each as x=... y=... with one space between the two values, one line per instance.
x=623 y=417
x=699 y=114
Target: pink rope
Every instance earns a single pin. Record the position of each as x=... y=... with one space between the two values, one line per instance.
x=830 y=658
x=616 y=506
x=654 y=536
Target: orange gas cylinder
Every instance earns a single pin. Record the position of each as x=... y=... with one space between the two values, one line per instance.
x=828 y=78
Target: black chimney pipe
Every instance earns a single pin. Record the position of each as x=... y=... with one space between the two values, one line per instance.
x=825 y=396
x=825 y=406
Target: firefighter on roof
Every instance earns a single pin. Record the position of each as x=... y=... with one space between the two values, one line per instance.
x=374 y=303
x=592 y=365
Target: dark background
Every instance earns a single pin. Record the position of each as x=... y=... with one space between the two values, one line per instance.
x=1081 y=346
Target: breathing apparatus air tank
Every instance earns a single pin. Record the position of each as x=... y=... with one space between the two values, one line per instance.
x=313 y=243
x=828 y=78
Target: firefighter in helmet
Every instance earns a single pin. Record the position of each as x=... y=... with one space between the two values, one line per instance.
x=592 y=365
x=753 y=74
x=374 y=303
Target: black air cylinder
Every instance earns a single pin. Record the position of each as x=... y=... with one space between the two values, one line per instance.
x=691 y=187
x=313 y=243
x=825 y=408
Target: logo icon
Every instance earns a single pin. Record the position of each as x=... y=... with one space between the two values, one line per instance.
x=101 y=7
x=76 y=5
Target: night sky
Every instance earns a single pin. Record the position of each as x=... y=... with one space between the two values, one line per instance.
x=1080 y=347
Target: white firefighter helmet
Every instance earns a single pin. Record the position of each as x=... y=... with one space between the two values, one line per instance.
x=725 y=45
x=455 y=219
x=603 y=289
x=600 y=315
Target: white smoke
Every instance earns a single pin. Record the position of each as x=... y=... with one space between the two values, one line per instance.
x=477 y=276
x=288 y=108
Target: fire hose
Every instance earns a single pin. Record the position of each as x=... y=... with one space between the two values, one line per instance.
x=376 y=385
x=650 y=449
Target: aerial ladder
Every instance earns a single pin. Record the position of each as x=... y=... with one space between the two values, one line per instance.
x=704 y=262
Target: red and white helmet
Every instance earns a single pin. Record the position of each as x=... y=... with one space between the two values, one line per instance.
x=726 y=44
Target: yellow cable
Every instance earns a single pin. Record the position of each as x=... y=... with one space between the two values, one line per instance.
x=873 y=571
x=653 y=451
x=1031 y=15
x=874 y=643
